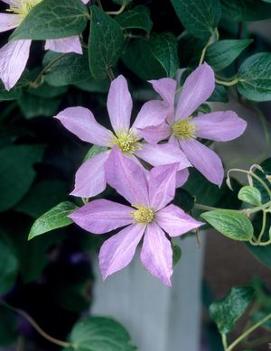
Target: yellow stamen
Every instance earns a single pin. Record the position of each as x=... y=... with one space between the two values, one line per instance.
x=23 y=7
x=128 y=143
x=184 y=129
x=143 y=215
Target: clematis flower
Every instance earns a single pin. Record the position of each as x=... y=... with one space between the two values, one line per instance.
x=14 y=55
x=149 y=216
x=183 y=130
x=90 y=179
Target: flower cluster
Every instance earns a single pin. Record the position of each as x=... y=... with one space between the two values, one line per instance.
x=165 y=138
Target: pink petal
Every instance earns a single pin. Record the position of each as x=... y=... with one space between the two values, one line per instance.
x=154 y=134
x=156 y=254
x=102 y=216
x=81 y=122
x=166 y=88
x=127 y=178
x=220 y=126
x=65 y=45
x=118 y=251
x=204 y=159
x=162 y=185
x=13 y=59
x=175 y=221
x=119 y=105
x=90 y=177
x=181 y=177
x=152 y=113
x=163 y=154
x=8 y=21
x=197 y=88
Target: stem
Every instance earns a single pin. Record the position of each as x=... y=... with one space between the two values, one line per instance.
x=210 y=41
x=115 y=13
x=36 y=326
x=227 y=83
x=259 y=240
x=224 y=341
x=248 y=332
x=110 y=74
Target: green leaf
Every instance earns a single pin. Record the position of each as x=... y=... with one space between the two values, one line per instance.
x=121 y=2
x=251 y=195
x=100 y=334
x=199 y=17
x=245 y=10
x=16 y=172
x=154 y=57
x=234 y=225
x=47 y=91
x=94 y=86
x=55 y=218
x=177 y=253
x=93 y=151
x=220 y=94
x=10 y=95
x=136 y=18
x=105 y=43
x=35 y=106
x=223 y=52
x=8 y=327
x=69 y=69
x=52 y=19
x=8 y=268
x=262 y=253
x=255 y=77
x=227 y=311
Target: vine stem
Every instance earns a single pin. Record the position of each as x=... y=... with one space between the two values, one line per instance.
x=228 y=83
x=248 y=332
x=212 y=39
x=224 y=341
x=115 y=13
x=36 y=326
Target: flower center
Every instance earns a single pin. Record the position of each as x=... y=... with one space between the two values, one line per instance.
x=143 y=215
x=183 y=129
x=128 y=143
x=23 y=7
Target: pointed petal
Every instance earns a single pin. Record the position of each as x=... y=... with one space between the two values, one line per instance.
x=166 y=88
x=8 y=21
x=119 y=105
x=127 y=178
x=175 y=221
x=163 y=154
x=13 y=59
x=220 y=126
x=81 y=122
x=152 y=113
x=182 y=177
x=162 y=185
x=102 y=216
x=90 y=177
x=65 y=45
x=156 y=254
x=85 y=1
x=197 y=88
x=204 y=159
x=118 y=251
x=154 y=134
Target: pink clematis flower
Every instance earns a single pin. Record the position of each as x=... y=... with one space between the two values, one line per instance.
x=150 y=216
x=183 y=130
x=90 y=179
x=14 y=55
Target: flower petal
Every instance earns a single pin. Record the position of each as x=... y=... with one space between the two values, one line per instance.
x=204 y=159
x=118 y=251
x=90 y=177
x=156 y=254
x=197 y=88
x=65 y=45
x=85 y=1
x=81 y=122
x=163 y=154
x=152 y=113
x=13 y=59
x=219 y=126
x=162 y=185
x=166 y=88
x=127 y=178
x=8 y=21
x=119 y=105
x=154 y=134
x=175 y=221
x=182 y=177
x=102 y=216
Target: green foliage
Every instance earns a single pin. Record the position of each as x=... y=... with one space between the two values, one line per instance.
x=10 y=95
x=8 y=268
x=250 y=195
x=52 y=19
x=105 y=44
x=8 y=327
x=100 y=334
x=232 y=224
x=227 y=311
x=245 y=10
x=136 y=18
x=34 y=106
x=177 y=253
x=55 y=218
